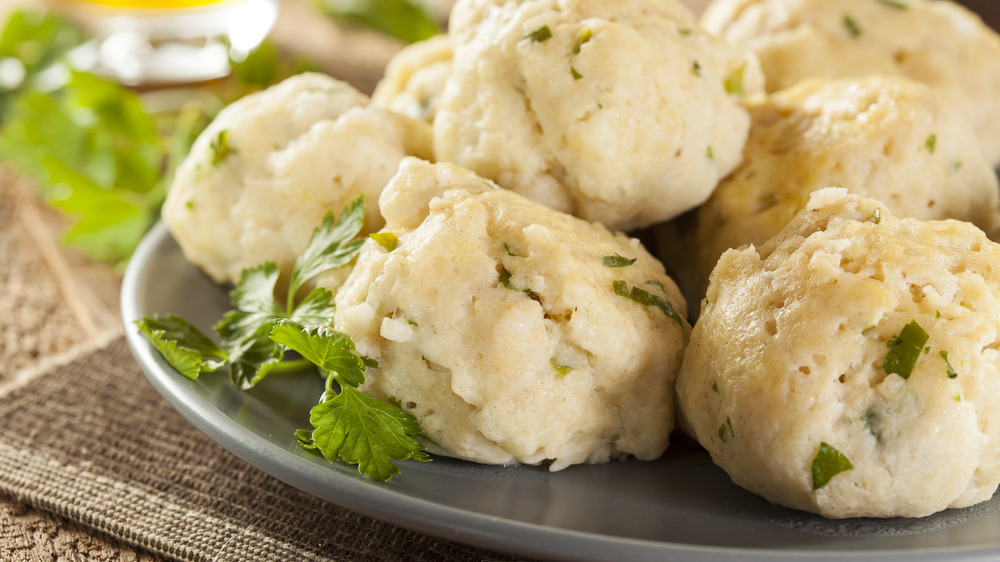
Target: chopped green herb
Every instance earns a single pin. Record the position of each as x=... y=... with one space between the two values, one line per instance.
x=189 y=204
x=727 y=426
x=710 y=153
x=581 y=38
x=387 y=240
x=876 y=216
x=958 y=398
x=685 y=31
x=656 y=283
x=576 y=75
x=828 y=463
x=867 y=419
x=220 y=147
x=504 y=279
x=508 y=250
x=904 y=350
x=957 y=165
x=617 y=261
x=561 y=370
x=947 y=364
x=895 y=4
x=852 y=26
x=696 y=68
x=931 y=143
x=646 y=299
x=715 y=387
x=937 y=314
x=734 y=82
x=539 y=35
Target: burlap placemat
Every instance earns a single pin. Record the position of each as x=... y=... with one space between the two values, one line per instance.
x=92 y=442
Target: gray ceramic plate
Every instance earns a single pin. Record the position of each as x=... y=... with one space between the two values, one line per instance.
x=680 y=507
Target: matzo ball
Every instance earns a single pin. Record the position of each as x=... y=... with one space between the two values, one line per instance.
x=502 y=326
x=259 y=179
x=622 y=112
x=940 y=43
x=888 y=138
x=415 y=77
x=849 y=365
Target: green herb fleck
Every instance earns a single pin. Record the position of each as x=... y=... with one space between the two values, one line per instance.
x=576 y=75
x=947 y=364
x=539 y=35
x=931 y=143
x=617 y=261
x=581 y=38
x=958 y=398
x=561 y=370
x=715 y=387
x=937 y=314
x=220 y=147
x=508 y=250
x=646 y=299
x=828 y=463
x=710 y=153
x=696 y=68
x=189 y=204
x=852 y=26
x=504 y=279
x=895 y=4
x=867 y=419
x=876 y=216
x=957 y=165
x=734 y=82
x=727 y=426
x=904 y=350
x=685 y=31
x=387 y=240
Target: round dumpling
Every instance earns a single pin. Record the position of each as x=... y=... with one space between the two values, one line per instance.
x=514 y=333
x=259 y=179
x=622 y=112
x=937 y=42
x=849 y=365
x=415 y=77
x=888 y=138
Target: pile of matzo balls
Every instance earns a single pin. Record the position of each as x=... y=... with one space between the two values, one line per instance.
x=818 y=177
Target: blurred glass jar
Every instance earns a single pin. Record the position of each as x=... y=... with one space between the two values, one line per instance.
x=168 y=42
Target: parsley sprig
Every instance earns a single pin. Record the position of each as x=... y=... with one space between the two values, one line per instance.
x=259 y=331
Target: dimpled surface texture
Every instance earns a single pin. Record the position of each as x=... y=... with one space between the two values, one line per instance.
x=788 y=354
x=937 y=42
x=888 y=138
x=615 y=111
x=495 y=322
x=295 y=151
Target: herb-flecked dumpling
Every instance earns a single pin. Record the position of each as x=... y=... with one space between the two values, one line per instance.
x=884 y=137
x=513 y=332
x=415 y=78
x=938 y=42
x=259 y=179
x=849 y=365
x=622 y=112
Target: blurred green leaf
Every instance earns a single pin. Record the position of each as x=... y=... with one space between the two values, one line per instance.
x=407 y=20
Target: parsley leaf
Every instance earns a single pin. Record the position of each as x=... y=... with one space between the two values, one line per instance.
x=828 y=463
x=220 y=147
x=852 y=27
x=183 y=345
x=330 y=246
x=947 y=365
x=325 y=347
x=647 y=299
x=895 y=4
x=905 y=349
x=581 y=39
x=360 y=430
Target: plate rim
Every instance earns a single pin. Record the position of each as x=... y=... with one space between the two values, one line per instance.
x=464 y=526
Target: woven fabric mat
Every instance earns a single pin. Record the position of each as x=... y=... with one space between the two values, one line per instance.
x=91 y=441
